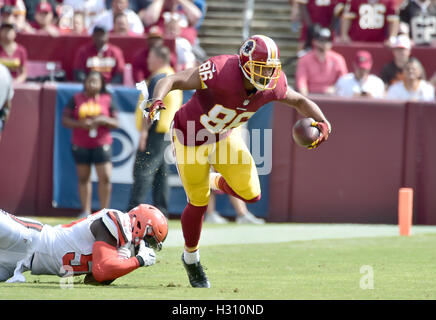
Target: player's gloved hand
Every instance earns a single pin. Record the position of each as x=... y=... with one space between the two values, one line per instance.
x=146 y=256
x=152 y=110
x=325 y=129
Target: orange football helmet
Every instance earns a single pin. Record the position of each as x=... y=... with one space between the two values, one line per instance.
x=148 y=224
x=259 y=60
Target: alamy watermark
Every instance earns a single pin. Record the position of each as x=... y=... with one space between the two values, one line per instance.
x=203 y=147
x=367 y=278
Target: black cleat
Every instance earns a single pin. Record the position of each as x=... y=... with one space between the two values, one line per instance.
x=196 y=275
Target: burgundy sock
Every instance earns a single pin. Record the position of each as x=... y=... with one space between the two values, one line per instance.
x=192 y=220
x=224 y=186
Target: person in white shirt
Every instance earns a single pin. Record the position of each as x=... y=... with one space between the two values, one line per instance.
x=360 y=83
x=414 y=87
x=106 y=19
x=90 y=8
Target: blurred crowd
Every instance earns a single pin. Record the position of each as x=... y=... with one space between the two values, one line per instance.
x=155 y=20
x=400 y=25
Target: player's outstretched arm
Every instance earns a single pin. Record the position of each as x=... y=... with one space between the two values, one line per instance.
x=304 y=106
x=310 y=109
x=106 y=265
x=188 y=79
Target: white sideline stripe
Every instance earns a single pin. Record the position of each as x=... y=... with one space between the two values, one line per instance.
x=274 y=233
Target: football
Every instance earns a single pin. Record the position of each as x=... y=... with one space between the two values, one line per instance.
x=303 y=132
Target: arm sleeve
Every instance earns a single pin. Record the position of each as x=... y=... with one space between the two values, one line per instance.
x=106 y=265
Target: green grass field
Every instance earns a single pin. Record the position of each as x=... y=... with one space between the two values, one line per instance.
x=274 y=261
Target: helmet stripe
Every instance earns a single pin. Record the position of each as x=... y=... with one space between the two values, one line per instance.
x=271 y=46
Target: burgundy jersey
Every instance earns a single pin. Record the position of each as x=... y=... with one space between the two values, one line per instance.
x=321 y=12
x=370 y=19
x=15 y=62
x=81 y=107
x=222 y=104
x=108 y=61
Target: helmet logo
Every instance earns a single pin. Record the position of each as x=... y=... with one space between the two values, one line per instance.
x=248 y=47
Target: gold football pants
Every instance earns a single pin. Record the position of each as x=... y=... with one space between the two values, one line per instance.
x=230 y=157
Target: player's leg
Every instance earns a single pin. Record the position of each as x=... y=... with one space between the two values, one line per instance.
x=193 y=168
x=103 y=167
x=83 y=168
x=161 y=189
x=17 y=238
x=237 y=173
x=147 y=163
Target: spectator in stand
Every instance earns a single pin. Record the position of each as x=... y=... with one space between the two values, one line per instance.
x=79 y=24
x=319 y=69
x=420 y=15
x=106 y=19
x=393 y=71
x=6 y=95
x=101 y=56
x=15 y=13
x=12 y=54
x=91 y=114
x=154 y=14
x=150 y=169
x=370 y=21
x=89 y=8
x=71 y=22
x=139 y=64
x=414 y=87
x=178 y=19
x=32 y=5
x=121 y=25
x=360 y=83
x=44 y=20
x=325 y=13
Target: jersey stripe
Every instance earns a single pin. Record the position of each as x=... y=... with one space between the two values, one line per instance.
x=31 y=224
x=122 y=238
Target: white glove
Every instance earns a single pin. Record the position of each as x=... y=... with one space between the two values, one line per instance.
x=146 y=256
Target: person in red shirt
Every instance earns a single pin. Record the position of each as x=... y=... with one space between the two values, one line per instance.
x=12 y=54
x=370 y=21
x=229 y=91
x=100 y=56
x=319 y=69
x=140 y=65
x=92 y=114
x=44 y=20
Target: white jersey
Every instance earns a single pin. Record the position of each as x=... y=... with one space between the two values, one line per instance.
x=67 y=249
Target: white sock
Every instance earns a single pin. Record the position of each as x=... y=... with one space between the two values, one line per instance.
x=191 y=257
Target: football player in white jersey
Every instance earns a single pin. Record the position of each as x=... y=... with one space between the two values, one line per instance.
x=105 y=245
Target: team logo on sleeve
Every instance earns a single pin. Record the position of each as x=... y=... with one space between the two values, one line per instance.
x=248 y=47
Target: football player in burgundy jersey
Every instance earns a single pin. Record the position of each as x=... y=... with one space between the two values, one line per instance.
x=369 y=21
x=229 y=90
x=99 y=245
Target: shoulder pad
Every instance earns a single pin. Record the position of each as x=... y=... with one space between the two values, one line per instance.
x=118 y=224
